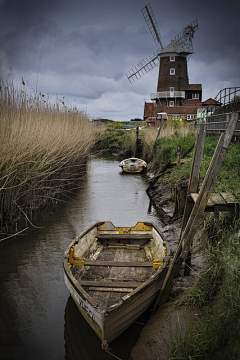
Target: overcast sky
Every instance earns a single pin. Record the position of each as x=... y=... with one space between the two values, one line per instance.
x=81 y=50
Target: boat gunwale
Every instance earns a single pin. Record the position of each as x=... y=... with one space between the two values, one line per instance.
x=125 y=299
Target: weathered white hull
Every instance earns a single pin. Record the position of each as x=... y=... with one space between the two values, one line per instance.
x=109 y=323
x=132 y=171
x=133 y=165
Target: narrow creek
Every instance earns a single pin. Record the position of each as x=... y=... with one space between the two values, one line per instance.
x=38 y=319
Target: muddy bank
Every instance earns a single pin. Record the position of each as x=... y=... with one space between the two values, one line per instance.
x=169 y=320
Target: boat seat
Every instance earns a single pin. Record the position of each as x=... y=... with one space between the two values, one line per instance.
x=118 y=263
x=125 y=236
x=110 y=284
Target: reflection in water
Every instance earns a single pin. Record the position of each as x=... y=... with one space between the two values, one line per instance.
x=81 y=342
x=34 y=298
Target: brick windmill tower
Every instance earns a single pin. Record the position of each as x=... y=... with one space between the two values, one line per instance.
x=173 y=87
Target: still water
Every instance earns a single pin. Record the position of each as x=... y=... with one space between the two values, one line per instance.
x=38 y=319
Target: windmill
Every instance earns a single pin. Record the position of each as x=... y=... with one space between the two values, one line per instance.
x=173 y=74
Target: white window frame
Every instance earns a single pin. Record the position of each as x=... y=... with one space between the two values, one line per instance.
x=171 y=103
x=172 y=71
x=172 y=58
x=195 y=96
x=190 y=117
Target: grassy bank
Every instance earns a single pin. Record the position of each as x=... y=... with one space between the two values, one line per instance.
x=216 y=334
x=44 y=149
x=216 y=294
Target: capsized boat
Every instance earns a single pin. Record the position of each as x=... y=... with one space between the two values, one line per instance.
x=133 y=165
x=115 y=273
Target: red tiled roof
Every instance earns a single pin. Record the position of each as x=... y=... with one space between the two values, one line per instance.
x=179 y=109
x=192 y=102
x=149 y=110
x=211 y=101
x=194 y=87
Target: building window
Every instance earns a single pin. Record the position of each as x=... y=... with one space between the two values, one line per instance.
x=172 y=58
x=190 y=117
x=172 y=71
x=171 y=103
x=195 y=96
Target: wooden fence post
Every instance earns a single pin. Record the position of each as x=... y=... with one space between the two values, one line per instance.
x=197 y=211
x=178 y=156
x=193 y=184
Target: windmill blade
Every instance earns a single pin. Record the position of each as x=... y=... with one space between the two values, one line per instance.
x=152 y=24
x=188 y=30
x=143 y=67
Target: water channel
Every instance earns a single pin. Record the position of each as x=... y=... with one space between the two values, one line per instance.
x=38 y=319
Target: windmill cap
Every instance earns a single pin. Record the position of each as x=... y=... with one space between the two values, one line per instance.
x=175 y=47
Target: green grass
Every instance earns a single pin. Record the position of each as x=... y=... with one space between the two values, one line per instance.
x=217 y=334
x=228 y=178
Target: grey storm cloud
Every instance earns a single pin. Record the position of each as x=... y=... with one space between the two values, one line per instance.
x=82 y=50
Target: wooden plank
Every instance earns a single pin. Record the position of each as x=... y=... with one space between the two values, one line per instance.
x=125 y=236
x=110 y=289
x=217 y=199
x=124 y=246
x=119 y=263
x=229 y=198
x=108 y=284
x=188 y=151
x=194 y=196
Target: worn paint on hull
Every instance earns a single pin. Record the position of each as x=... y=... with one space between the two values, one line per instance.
x=110 y=317
x=133 y=165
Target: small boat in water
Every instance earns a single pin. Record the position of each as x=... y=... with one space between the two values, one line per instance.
x=114 y=274
x=133 y=165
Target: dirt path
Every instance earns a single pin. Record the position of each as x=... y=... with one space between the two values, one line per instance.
x=168 y=322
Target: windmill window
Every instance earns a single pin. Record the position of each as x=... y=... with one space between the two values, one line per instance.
x=171 y=103
x=172 y=71
x=172 y=58
x=195 y=96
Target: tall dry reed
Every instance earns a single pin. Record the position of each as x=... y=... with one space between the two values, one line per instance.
x=171 y=128
x=44 y=148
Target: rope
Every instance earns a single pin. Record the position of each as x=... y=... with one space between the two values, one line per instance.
x=113 y=355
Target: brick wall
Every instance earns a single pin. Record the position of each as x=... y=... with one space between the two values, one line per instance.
x=179 y=81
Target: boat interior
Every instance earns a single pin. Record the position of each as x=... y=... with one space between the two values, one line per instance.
x=118 y=265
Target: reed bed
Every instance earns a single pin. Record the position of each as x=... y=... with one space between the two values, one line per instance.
x=171 y=128
x=44 y=149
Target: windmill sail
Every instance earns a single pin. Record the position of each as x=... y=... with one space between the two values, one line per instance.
x=142 y=67
x=181 y=43
x=152 y=24
x=186 y=35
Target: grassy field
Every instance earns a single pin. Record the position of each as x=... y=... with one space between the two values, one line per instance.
x=44 y=149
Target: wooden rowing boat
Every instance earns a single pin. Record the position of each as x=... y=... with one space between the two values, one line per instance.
x=133 y=165
x=114 y=274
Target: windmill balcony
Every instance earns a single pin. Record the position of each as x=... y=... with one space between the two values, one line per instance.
x=167 y=94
